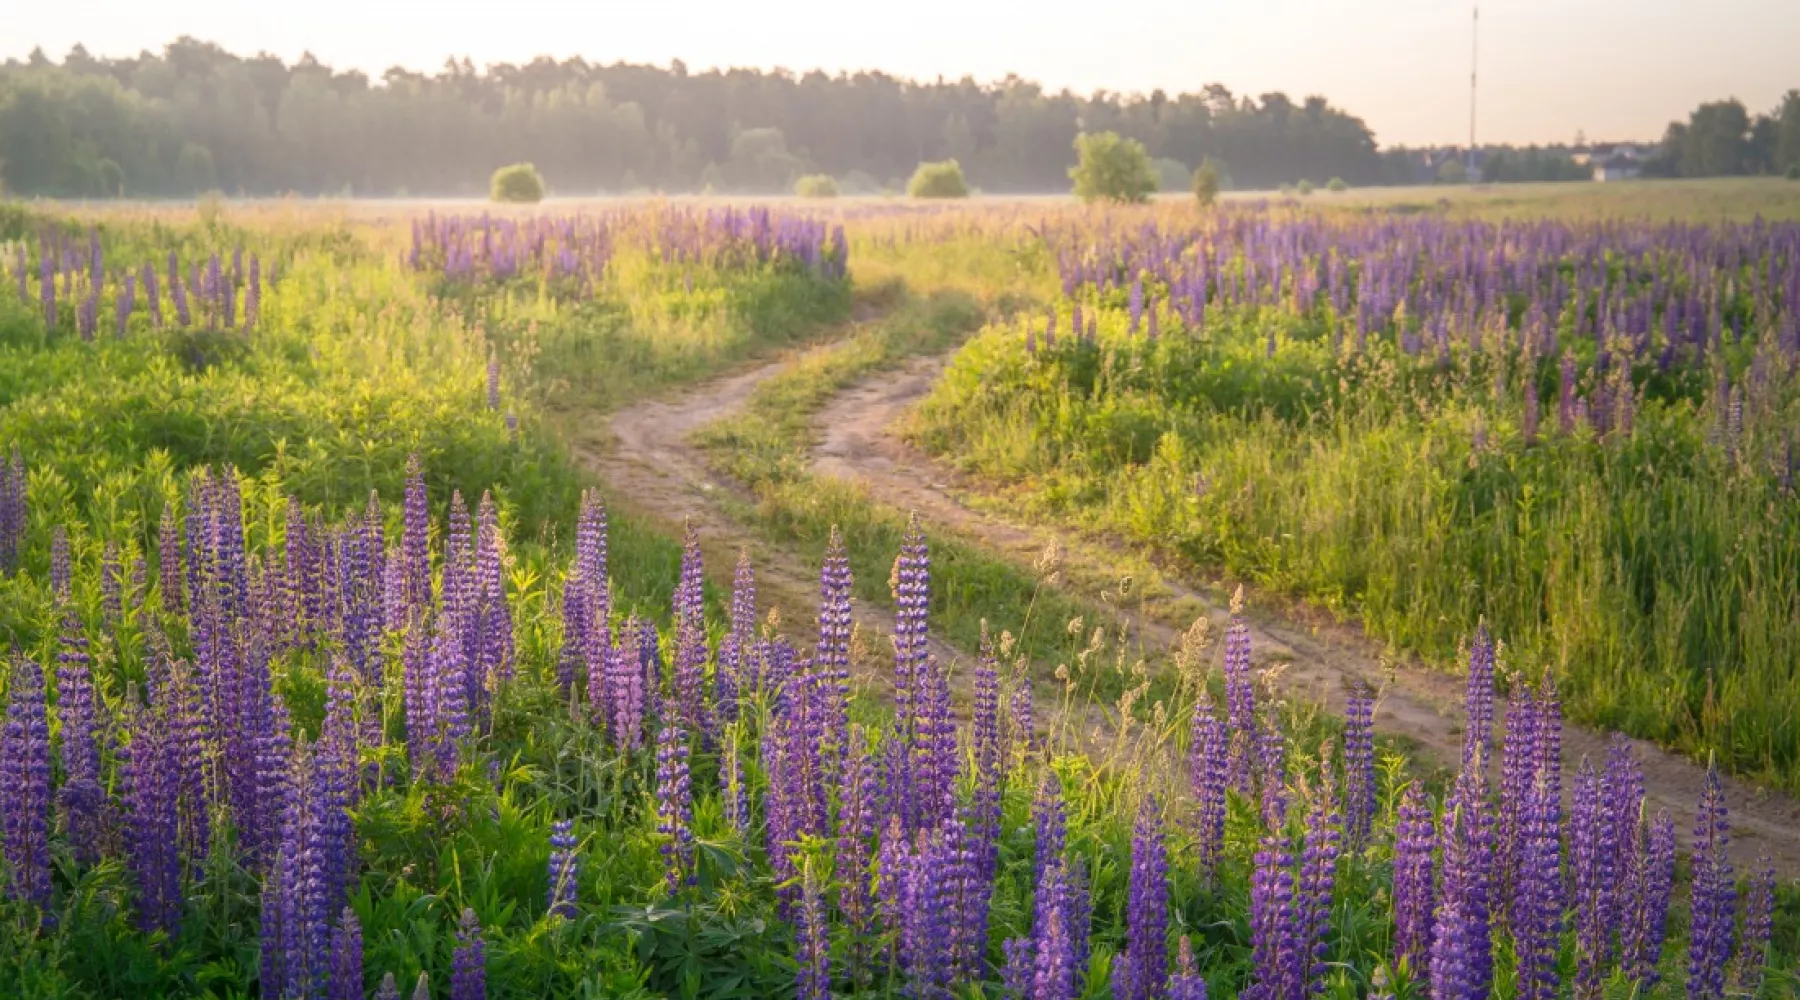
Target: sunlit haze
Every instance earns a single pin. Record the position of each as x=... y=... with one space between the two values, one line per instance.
x=1548 y=68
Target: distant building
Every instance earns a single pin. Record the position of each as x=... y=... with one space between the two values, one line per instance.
x=1613 y=161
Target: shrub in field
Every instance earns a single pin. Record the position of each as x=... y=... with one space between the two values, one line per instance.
x=1336 y=185
x=938 y=180
x=1793 y=172
x=519 y=183
x=1208 y=181
x=816 y=186
x=1110 y=167
x=1305 y=187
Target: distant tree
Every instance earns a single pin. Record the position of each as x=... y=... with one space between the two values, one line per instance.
x=194 y=166
x=1111 y=168
x=1452 y=171
x=109 y=178
x=1787 y=133
x=1336 y=185
x=760 y=162
x=1172 y=175
x=519 y=183
x=1305 y=187
x=1715 y=141
x=816 y=186
x=1793 y=172
x=1207 y=182
x=938 y=180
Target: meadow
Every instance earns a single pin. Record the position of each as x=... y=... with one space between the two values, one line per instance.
x=335 y=671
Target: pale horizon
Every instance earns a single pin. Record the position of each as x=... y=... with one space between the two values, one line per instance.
x=1609 y=69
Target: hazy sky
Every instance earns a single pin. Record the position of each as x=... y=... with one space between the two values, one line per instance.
x=1613 y=68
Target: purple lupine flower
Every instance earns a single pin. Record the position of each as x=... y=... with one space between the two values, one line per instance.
x=1207 y=771
x=857 y=817
x=152 y=789
x=1240 y=700
x=1318 y=880
x=1147 y=907
x=1714 y=894
x=1651 y=875
x=25 y=774
x=565 y=869
x=1273 y=776
x=674 y=803
x=1759 y=924
x=493 y=628
x=1187 y=983
x=1359 y=764
x=415 y=550
x=295 y=911
x=1592 y=862
x=1478 y=700
x=420 y=694
x=82 y=796
x=1048 y=823
x=730 y=679
x=390 y=990
x=912 y=599
x=1022 y=724
x=689 y=602
x=15 y=515
x=346 y=950
x=1537 y=910
x=591 y=554
x=1462 y=962
x=573 y=657
x=812 y=942
x=690 y=677
x=422 y=991
x=1518 y=777
x=1275 y=950
x=984 y=810
x=468 y=963
x=831 y=657
x=1015 y=973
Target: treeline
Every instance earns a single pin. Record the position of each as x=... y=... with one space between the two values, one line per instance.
x=197 y=117
x=1722 y=139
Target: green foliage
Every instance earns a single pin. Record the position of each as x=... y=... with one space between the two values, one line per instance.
x=1112 y=168
x=109 y=179
x=1305 y=187
x=1208 y=181
x=938 y=180
x=1453 y=171
x=1793 y=172
x=518 y=183
x=194 y=169
x=1336 y=185
x=816 y=186
x=1172 y=175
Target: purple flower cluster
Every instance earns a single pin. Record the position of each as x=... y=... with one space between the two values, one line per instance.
x=813 y=978
x=565 y=869
x=1415 y=887
x=82 y=796
x=468 y=963
x=25 y=774
x=1143 y=968
x=15 y=515
x=1207 y=764
x=921 y=766
x=1714 y=894
x=1359 y=764
x=1462 y=961
x=1240 y=701
x=674 y=804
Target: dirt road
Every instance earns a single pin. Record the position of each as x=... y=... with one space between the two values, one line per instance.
x=650 y=465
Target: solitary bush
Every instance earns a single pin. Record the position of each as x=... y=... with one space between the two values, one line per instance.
x=938 y=180
x=1207 y=182
x=1793 y=172
x=1112 y=168
x=1305 y=187
x=518 y=183
x=816 y=186
x=1337 y=185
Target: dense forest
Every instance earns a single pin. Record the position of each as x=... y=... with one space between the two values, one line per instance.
x=197 y=117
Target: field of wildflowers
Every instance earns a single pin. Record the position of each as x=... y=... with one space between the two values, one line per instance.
x=329 y=677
